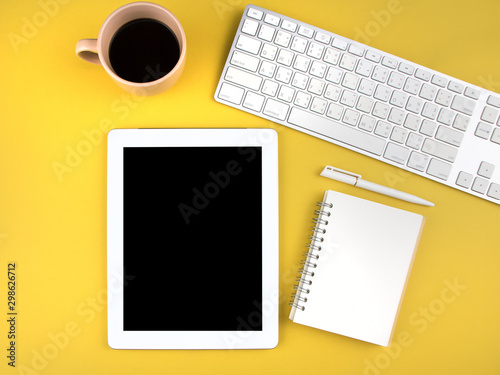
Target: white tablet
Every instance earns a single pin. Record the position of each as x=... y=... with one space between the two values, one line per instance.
x=192 y=219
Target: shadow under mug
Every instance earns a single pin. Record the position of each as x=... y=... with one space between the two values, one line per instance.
x=97 y=50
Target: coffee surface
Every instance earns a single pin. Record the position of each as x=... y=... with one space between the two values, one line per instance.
x=143 y=50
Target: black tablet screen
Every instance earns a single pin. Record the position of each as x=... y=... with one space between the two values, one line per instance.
x=192 y=238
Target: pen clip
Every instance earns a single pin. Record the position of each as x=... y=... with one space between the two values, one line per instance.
x=333 y=169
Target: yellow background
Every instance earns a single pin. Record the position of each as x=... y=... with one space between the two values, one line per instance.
x=54 y=228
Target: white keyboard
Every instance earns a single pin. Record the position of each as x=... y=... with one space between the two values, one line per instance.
x=366 y=100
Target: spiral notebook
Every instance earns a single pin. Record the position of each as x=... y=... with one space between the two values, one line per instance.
x=355 y=273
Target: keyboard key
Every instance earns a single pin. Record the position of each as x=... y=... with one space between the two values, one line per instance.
x=356 y=50
x=318 y=69
x=350 y=117
x=472 y=92
x=332 y=92
x=289 y=25
x=255 y=13
x=372 y=56
x=242 y=78
x=249 y=27
x=396 y=80
x=366 y=87
x=248 y=44
x=348 y=98
x=285 y=57
x=480 y=185
x=439 y=169
x=428 y=128
x=286 y=93
x=398 y=98
x=284 y=75
x=316 y=86
x=245 y=61
x=428 y=91
x=445 y=116
x=461 y=122
x=230 y=93
x=283 y=38
x=382 y=93
x=494 y=101
x=276 y=109
x=456 y=87
x=439 y=80
x=412 y=122
x=494 y=191
x=336 y=131
x=272 y=19
x=270 y=88
x=322 y=38
x=380 y=74
x=396 y=153
x=332 y=56
x=406 y=68
x=398 y=134
x=299 y=44
x=383 y=129
x=253 y=101
x=269 y=51
x=350 y=81
x=335 y=111
x=364 y=104
x=422 y=74
x=302 y=63
x=411 y=86
x=489 y=114
x=396 y=116
x=418 y=161
x=430 y=111
x=302 y=99
x=367 y=123
x=306 y=31
x=319 y=105
x=334 y=75
x=463 y=105
x=486 y=169
x=390 y=62
x=300 y=80
x=347 y=62
x=449 y=136
x=483 y=130
x=364 y=68
x=414 y=104
x=439 y=150
x=495 y=137
x=380 y=110
x=266 y=33
x=339 y=43
x=267 y=69
x=444 y=97
x=315 y=50
x=415 y=141
x=464 y=179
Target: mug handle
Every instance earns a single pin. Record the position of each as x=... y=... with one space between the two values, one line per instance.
x=86 y=49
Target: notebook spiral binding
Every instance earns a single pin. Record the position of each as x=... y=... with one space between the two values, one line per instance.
x=309 y=264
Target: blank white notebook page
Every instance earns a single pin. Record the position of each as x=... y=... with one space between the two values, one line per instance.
x=362 y=270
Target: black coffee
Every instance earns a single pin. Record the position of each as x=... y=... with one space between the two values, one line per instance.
x=143 y=50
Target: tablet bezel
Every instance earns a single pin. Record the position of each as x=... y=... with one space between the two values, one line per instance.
x=265 y=339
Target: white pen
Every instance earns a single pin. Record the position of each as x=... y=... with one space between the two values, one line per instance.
x=355 y=179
